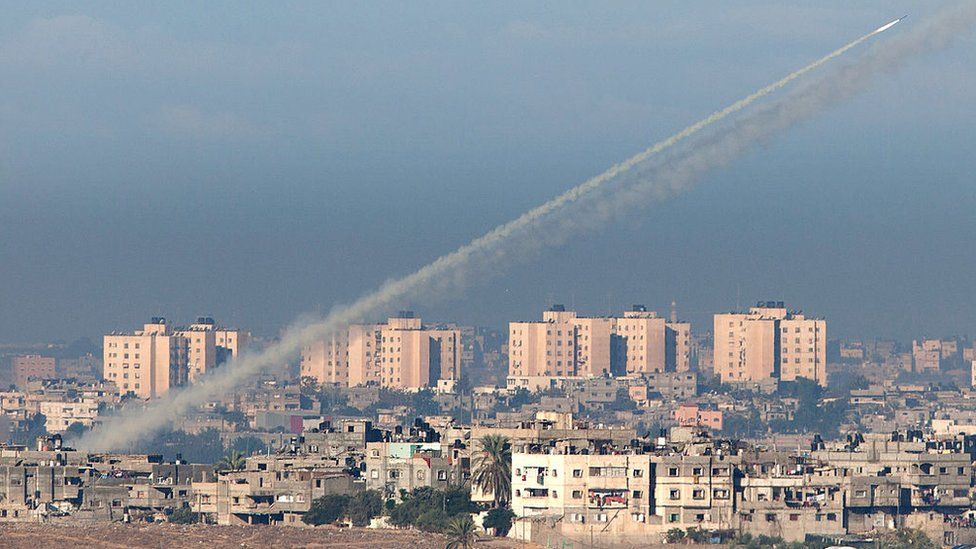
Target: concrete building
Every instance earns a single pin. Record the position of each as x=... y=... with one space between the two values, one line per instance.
x=28 y=367
x=146 y=362
x=690 y=415
x=565 y=345
x=583 y=488
x=403 y=353
x=395 y=466
x=61 y=415
x=210 y=345
x=769 y=341
x=927 y=356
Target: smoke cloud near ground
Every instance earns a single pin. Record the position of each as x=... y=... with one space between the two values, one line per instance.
x=645 y=177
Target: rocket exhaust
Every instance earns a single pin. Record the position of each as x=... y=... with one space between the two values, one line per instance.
x=493 y=249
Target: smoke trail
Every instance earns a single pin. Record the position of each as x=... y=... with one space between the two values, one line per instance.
x=524 y=235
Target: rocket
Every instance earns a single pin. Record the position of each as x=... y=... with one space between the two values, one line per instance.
x=889 y=25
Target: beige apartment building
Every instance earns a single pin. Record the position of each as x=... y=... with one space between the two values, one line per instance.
x=927 y=355
x=583 y=488
x=147 y=362
x=209 y=345
x=28 y=367
x=400 y=354
x=769 y=342
x=61 y=415
x=565 y=345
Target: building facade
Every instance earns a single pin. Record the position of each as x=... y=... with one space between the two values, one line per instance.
x=565 y=345
x=769 y=341
x=28 y=367
x=147 y=362
x=403 y=353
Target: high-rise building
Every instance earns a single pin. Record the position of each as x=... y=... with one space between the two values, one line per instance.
x=564 y=344
x=32 y=367
x=769 y=342
x=146 y=362
x=400 y=354
x=210 y=345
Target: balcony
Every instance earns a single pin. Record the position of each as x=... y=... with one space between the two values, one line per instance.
x=607 y=499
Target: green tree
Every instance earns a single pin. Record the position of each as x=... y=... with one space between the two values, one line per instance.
x=461 y=533
x=674 y=535
x=906 y=538
x=431 y=510
x=183 y=515
x=622 y=403
x=75 y=431
x=247 y=445
x=327 y=509
x=36 y=426
x=697 y=535
x=233 y=461
x=363 y=507
x=493 y=468
x=521 y=397
x=500 y=519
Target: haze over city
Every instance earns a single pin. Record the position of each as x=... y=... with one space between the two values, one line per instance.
x=259 y=164
x=446 y=275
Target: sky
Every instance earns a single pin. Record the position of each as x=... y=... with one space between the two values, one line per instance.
x=254 y=162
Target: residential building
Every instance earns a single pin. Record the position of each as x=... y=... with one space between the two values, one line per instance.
x=61 y=415
x=146 y=362
x=927 y=356
x=769 y=341
x=403 y=353
x=564 y=345
x=28 y=367
x=210 y=345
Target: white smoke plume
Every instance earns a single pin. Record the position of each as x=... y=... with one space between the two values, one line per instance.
x=550 y=224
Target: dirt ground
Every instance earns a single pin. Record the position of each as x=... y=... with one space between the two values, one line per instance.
x=36 y=536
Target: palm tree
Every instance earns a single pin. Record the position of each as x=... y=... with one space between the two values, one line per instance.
x=493 y=468
x=461 y=533
x=233 y=461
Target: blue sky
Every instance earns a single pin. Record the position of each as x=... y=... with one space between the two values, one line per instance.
x=257 y=161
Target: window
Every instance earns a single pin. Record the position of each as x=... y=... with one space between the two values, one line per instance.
x=698 y=493
x=637 y=494
x=577 y=494
x=577 y=473
x=675 y=494
x=673 y=472
x=673 y=517
x=638 y=473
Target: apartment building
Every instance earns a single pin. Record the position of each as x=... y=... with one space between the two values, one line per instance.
x=147 y=362
x=565 y=345
x=927 y=356
x=769 y=342
x=28 y=367
x=275 y=489
x=690 y=415
x=695 y=490
x=403 y=353
x=584 y=489
x=59 y=415
x=210 y=345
